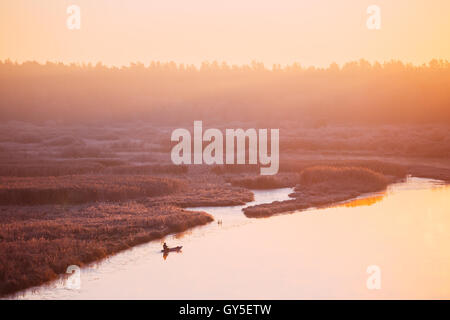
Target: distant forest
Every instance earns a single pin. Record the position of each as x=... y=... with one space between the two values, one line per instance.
x=357 y=92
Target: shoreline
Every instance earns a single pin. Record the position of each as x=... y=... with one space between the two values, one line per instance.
x=13 y=295
x=85 y=233
x=297 y=204
x=59 y=234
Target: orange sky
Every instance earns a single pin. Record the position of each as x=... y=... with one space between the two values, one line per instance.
x=313 y=32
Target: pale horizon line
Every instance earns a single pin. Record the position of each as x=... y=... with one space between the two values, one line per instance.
x=269 y=67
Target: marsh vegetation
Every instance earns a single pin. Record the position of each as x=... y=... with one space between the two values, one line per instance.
x=82 y=176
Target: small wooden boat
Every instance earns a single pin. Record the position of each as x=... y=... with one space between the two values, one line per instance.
x=172 y=249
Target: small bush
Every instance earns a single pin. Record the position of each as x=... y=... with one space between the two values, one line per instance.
x=385 y=168
x=343 y=177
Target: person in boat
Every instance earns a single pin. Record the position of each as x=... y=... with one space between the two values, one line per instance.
x=165 y=247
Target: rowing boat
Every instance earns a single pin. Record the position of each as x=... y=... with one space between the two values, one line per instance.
x=172 y=249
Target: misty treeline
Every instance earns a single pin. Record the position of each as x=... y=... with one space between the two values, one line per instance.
x=357 y=92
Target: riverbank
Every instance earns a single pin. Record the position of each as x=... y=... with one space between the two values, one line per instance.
x=53 y=222
x=73 y=220
x=38 y=243
x=320 y=186
x=293 y=253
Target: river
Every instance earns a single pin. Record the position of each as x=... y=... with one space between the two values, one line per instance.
x=325 y=253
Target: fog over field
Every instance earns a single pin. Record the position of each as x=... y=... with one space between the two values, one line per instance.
x=85 y=167
x=357 y=92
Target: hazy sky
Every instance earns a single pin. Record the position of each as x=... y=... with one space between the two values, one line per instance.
x=312 y=32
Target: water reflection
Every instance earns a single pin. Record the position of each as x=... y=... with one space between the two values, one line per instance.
x=166 y=253
x=364 y=201
x=181 y=235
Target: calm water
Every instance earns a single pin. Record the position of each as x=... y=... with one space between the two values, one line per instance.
x=319 y=253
